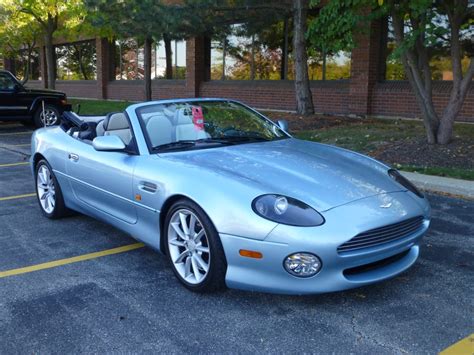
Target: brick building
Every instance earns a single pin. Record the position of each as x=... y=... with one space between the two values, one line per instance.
x=365 y=93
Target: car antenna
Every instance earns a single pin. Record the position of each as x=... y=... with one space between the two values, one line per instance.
x=78 y=109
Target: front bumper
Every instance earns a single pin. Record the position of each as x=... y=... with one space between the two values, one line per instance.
x=338 y=272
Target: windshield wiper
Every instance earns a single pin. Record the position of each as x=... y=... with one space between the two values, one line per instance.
x=214 y=140
x=183 y=144
x=175 y=145
x=236 y=139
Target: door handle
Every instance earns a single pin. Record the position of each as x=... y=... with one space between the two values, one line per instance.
x=73 y=157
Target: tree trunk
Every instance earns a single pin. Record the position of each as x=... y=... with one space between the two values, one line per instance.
x=148 y=43
x=284 y=51
x=168 y=55
x=252 y=59
x=78 y=51
x=324 y=65
x=304 y=99
x=27 y=66
x=458 y=94
x=224 y=53
x=50 y=62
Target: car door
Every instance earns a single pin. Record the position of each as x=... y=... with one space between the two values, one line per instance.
x=102 y=180
x=11 y=103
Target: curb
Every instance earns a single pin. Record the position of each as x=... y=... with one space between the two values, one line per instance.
x=443 y=185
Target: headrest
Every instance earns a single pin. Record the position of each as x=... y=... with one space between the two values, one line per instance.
x=183 y=116
x=115 y=121
x=159 y=116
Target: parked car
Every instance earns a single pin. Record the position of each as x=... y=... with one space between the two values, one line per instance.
x=231 y=198
x=18 y=103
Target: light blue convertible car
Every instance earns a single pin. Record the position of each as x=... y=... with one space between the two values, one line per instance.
x=231 y=198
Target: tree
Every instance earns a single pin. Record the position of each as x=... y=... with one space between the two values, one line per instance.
x=304 y=99
x=420 y=28
x=50 y=16
x=18 y=37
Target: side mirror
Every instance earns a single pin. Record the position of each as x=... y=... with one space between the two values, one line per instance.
x=108 y=143
x=17 y=88
x=283 y=124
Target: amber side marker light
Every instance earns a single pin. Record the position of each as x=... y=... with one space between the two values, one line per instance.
x=250 y=254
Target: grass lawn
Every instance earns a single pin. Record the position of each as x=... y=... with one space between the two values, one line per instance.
x=98 y=107
x=400 y=143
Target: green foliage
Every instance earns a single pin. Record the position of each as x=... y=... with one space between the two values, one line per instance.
x=332 y=30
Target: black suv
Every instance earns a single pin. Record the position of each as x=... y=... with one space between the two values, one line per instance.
x=17 y=103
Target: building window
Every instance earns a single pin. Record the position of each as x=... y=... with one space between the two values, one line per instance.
x=130 y=60
x=76 y=61
x=239 y=56
x=28 y=67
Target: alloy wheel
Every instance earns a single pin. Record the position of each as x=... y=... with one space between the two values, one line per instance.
x=188 y=246
x=49 y=117
x=46 y=189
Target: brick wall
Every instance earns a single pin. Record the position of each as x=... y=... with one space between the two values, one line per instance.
x=134 y=90
x=328 y=97
x=395 y=98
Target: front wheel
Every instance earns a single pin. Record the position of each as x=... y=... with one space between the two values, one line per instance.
x=48 y=192
x=194 y=248
x=49 y=117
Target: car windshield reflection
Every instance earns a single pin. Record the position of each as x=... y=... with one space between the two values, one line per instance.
x=204 y=124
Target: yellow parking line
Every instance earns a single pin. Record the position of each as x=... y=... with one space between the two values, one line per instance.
x=14 y=133
x=16 y=197
x=74 y=259
x=14 y=164
x=462 y=347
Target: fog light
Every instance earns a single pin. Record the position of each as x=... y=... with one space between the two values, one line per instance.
x=302 y=264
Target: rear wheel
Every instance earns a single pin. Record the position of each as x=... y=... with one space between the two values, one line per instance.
x=49 y=117
x=194 y=248
x=48 y=192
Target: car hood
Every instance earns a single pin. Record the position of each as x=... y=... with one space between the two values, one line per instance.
x=320 y=175
x=43 y=92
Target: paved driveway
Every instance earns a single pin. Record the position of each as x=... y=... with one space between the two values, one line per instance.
x=131 y=302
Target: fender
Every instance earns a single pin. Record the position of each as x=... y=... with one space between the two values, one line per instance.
x=47 y=100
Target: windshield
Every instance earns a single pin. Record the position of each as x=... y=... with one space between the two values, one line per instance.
x=204 y=124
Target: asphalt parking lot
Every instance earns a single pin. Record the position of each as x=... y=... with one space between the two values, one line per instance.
x=131 y=302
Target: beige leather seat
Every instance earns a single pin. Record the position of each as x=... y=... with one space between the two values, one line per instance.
x=160 y=129
x=115 y=124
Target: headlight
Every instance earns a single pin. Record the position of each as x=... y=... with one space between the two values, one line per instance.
x=394 y=174
x=286 y=210
x=302 y=264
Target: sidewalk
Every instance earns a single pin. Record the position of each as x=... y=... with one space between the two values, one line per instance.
x=450 y=186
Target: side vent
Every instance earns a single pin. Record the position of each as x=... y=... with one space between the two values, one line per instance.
x=148 y=186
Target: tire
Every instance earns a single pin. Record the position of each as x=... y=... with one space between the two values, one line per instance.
x=48 y=192
x=189 y=257
x=53 y=116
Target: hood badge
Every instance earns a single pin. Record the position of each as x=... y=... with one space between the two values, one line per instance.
x=387 y=205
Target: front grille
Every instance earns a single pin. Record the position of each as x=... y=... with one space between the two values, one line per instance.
x=375 y=265
x=383 y=235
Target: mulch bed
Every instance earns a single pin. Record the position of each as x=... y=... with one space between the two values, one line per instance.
x=417 y=152
x=410 y=151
